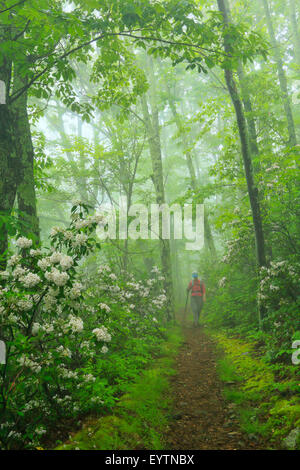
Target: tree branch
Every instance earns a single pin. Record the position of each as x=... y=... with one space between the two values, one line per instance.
x=13 y=6
x=22 y=90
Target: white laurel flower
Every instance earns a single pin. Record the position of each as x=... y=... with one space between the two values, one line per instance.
x=26 y=362
x=40 y=431
x=80 y=239
x=35 y=252
x=104 y=349
x=104 y=307
x=98 y=218
x=25 y=304
x=64 y=351
x=4 y=274
x=55 y=257
x=55 y=231
x=89 y=378
x=43 y=264
x=35 y=328
x=75 y=291
x=103 y=268
x=76 y=202
x=30 y=280
x=24 y=242
x=59 y=278
x=222 y=282
x=68 y=235
x=155 y=269
x=75 y=323
x=13 y=260
x=48 y=328
x=81 y=223
x=19 y=272
x=102 y=334
x=66 y=262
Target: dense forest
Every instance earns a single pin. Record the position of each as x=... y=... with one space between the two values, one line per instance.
x=142 y=141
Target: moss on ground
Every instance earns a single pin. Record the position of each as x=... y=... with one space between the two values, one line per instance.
x=141 y=414
x=266 y=395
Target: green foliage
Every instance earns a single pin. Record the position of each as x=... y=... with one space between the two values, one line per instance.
x=121 y=80
x=141 y=414
x=58 y=362
x=83 y=69
x=280 y=295
x=266 y=396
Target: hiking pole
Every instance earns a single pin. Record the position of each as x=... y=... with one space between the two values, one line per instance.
x=186 y=302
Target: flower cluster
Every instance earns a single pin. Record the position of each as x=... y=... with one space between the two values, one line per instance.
x=102 y=334
x=75 y=324
x=59 y=278
x=30 y=280
x=51 y=320
x=24 y=242
x=104 y=307
x=279 y=294
x=222 y=282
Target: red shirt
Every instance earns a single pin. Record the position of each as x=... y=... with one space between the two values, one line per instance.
x=198 y=288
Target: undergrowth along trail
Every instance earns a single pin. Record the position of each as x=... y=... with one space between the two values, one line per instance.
x=200 y=394
x=141 y=415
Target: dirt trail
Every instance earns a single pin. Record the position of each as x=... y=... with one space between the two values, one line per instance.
x=202 y=419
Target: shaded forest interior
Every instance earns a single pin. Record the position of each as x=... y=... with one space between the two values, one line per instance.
x=142 y=141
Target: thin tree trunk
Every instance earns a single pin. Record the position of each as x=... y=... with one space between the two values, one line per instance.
x=282 y=77
x=208 y=237
x=245 y=146
x=295 y=31
x=152 y=127
x=249 y=113
x=246 y=101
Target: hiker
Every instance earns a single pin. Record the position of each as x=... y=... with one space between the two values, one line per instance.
x=198 y=296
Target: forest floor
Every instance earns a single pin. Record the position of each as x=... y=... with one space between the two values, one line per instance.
x=202 y=419
x=177 y=404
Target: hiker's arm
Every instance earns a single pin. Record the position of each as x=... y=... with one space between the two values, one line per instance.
x=204 y=293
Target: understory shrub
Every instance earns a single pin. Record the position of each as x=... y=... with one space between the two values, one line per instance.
x=70 y=345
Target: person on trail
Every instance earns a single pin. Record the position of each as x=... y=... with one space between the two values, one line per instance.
x=198 y=296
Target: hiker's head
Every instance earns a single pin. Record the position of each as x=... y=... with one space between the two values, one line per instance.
x=195 y=275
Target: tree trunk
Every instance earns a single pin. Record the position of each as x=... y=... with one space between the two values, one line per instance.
x=208 y=237
x=8 y=158
x=245 y=146
x=282 y=78
x=26 y=184
x=249 y=114
x=8 y=180
x=246 y=102
x=295 y=31
x=152 y=127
